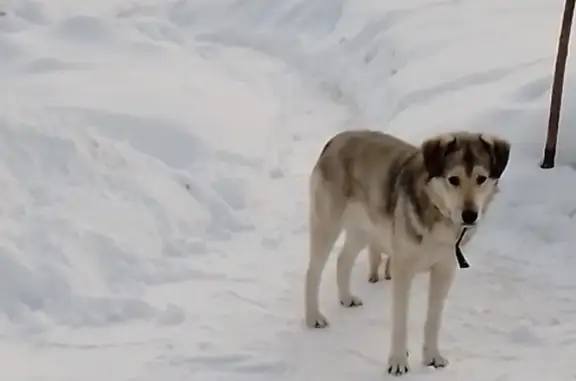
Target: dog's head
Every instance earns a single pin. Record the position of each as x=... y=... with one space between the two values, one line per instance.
x=463 y=171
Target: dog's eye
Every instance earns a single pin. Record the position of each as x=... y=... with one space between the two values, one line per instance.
x=454 y=180
x=480 y=180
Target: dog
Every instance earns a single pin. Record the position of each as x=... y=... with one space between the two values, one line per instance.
x=412 y=202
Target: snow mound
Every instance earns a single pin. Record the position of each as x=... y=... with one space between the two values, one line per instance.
x=154 y=158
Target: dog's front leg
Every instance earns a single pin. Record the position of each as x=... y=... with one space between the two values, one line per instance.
x=441 y=278
x=402 y=275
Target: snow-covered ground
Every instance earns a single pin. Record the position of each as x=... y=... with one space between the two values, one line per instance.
x=153 y=167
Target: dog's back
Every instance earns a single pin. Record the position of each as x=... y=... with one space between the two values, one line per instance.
x=353 y=162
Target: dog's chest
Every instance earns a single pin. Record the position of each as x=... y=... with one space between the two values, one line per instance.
x=428 y=254
x=437 y=246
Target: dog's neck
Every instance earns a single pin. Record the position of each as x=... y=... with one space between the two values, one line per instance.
x=424 y=211
x=435 y=216
x=442 y=211
x=428 y=213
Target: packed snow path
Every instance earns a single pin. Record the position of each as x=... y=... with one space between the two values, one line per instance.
x=153 y=164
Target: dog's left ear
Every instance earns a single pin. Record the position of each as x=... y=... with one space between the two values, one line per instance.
x=434 y=152
x=499 y=151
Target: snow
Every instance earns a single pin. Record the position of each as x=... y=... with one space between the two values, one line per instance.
x=153 y=166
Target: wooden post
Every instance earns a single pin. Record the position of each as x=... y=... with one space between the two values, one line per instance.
x=557 y=86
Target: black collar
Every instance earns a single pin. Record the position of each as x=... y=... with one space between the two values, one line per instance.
x=462 y=263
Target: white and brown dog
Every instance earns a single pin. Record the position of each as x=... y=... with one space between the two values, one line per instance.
x=411 y=203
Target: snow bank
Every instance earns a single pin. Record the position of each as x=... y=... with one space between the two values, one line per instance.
x=153 y=159
x=96 y=203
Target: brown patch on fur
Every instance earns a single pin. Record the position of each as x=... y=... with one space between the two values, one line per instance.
x=434 y=153
x=443 y=152
x=352 y=153
x=499 y=151
x=391 y=191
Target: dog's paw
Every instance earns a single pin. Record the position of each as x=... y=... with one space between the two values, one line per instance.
x=375 y=278
x=435 y=360
x=316 y=320
x=398 y=365
x=351 y=301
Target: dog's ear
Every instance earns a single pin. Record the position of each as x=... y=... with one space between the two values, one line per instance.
x=434 y=152
x=499 y=151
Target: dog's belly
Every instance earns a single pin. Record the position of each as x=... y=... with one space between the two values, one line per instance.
x=356 y=218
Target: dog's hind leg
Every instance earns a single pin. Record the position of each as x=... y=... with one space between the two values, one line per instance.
x=325 y=227
x=354 y=243
x=387 y=275
x=323 y=235
x=375 y=259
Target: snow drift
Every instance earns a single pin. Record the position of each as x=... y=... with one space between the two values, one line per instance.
x=153 y=162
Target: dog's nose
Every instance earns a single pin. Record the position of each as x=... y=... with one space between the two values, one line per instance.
x=469 y=217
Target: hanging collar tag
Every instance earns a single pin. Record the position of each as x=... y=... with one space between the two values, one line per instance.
x=462 y=263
